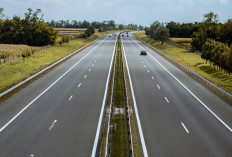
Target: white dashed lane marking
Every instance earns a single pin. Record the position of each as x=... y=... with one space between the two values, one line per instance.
x=70 y=97
x=166 y=99
x=184 y=127
x=85 y=76
x=79 y=85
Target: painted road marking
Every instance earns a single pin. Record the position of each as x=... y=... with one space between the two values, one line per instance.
x=89 y=69
x=158 y=86
x=50 y=128
x=70 y=97
x=166 y=99
x=203 y=104
x=93 y=65
x=28 y=105
x=184 y=127
x=95 y=61
x=85 y=76
x=152 y=77
x=145 y=154
x=142 y=61
x=102 y=108
x=145 y=66
x=79 y=85
x=148 y=71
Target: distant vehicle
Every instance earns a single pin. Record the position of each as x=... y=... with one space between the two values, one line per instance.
x=126 y=32
x=109 y=36
x=127 y=35
x=123 y=35
x=143 y=52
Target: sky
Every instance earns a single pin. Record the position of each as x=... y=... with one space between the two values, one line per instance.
x=140 y=12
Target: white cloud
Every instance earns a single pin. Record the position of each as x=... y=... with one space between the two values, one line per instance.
x=58 y=2
x=224 y=1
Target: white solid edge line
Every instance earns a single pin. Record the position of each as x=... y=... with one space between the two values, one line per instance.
x=184 y=127
x=102 y=109
x=190 y=92
x=19 y=113
x=135 y=108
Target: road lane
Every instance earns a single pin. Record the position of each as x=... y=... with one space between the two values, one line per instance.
x=163 y=112
x=63 y=121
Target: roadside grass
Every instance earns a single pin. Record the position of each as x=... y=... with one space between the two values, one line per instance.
x=192 y=61
x=119 y=138
x=19 y=69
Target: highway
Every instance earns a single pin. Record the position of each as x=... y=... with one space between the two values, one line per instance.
x=177 y=116
x=59 y=115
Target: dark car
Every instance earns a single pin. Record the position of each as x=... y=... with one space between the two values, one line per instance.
x=143 y=52
x=127 y=35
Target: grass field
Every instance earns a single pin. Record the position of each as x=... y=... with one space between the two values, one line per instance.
x=76 y=32
x=192 y=61
x=17 y=70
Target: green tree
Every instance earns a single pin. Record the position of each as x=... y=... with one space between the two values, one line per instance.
x=1 y=13
x=208 y=29
x=207 y=49
x=158 y=32
x=121 y=26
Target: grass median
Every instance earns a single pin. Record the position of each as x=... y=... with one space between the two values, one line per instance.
x=119 y=136
x=192 y=61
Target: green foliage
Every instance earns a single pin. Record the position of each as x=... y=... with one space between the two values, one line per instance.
x=1 y=13
x=217 y=53
x=32 y=30
x=182 y=30
x=89 y=32
x=157 y=31
x=210 y=28
x=66 y=39
x=121 y=27
x=132 y=27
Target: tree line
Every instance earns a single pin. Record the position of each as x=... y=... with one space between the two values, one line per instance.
x=102 y=26
x=182 y=30
x=31 y=30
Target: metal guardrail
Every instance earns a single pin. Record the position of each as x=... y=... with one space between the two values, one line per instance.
x=220 y=91
x=128 y=122
x=109 y=131
x=42 y=71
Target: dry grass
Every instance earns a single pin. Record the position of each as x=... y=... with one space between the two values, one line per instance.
x=177 y=39
x=70 y=29
x=12 y=46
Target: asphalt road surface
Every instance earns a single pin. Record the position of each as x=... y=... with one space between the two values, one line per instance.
x=178 y=116
x=58 y=114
